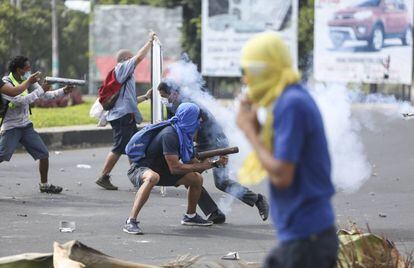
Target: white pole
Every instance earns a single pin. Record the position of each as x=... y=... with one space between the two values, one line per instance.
x=92 y=78
x=55 y=45
x=156 y=72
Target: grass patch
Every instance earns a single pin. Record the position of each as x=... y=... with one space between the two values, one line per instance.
x=74 y=115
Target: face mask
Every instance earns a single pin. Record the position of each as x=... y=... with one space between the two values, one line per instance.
x=26 y=75
x=166 y=103
x=262 y=115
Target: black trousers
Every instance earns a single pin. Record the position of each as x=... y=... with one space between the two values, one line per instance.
x=316 y=251
x=227 y=185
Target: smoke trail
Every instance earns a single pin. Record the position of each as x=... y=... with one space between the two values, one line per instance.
x=350 y=167
x=185 y=74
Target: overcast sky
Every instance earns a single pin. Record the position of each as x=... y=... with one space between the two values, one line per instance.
x=81 y=5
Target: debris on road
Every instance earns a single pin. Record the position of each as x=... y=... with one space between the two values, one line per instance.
x=22 y=215
x=67 y=226
x=83 y=166
x=382 y=215
x=407 y=115
x=234 y=256
x=372 y=193
x=58 y=152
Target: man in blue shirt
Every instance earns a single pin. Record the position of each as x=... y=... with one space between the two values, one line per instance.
x=293 y=151
x=124 y=116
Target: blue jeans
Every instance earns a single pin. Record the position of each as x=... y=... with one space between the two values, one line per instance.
x=26 y=136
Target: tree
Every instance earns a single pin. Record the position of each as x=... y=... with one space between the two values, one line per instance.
x=27 y=31
x=305 y=35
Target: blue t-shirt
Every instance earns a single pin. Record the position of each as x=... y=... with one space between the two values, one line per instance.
x=304 y=208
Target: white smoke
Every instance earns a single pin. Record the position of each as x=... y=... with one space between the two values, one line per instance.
x=185 y=74
x=350 y=165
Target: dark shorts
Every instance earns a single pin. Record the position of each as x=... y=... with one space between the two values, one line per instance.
x=317 y=251
x=26 y=136
x=122 y=131
x=136 y=172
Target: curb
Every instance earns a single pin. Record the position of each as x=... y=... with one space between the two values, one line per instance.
x=77 y=137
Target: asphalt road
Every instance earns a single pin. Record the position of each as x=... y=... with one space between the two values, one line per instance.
x=29 y=220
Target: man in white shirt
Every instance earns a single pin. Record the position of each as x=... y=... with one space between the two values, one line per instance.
x=16 y=126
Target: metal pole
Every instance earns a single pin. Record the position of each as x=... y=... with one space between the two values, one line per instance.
x=91 y=87
x=55 y=45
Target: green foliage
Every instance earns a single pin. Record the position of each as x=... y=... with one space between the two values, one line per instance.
x=305 y=34
x=74 y=115
x=27 y=31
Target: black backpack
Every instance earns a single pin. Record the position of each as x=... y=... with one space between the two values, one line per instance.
x=4 y=106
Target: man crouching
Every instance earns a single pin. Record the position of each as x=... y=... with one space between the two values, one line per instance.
x=155 y=153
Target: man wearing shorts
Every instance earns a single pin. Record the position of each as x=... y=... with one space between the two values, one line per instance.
x=17 y=127
x=124 y=116
x=160 y=165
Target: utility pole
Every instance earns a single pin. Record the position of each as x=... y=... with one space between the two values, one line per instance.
x=92 y=72
x=55 y=45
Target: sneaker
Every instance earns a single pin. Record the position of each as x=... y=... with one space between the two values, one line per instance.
x=131 y=227
x=50 y=188
x=262 y=206
x=105 y=182
x=195 y=221
x=217 y=217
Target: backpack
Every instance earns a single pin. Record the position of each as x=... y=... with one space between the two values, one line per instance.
x=139 y=143
x=108 y=93
x=4 y=106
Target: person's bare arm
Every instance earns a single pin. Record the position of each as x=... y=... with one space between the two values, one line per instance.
x=14 y=91
x=178 y=168
x=145 y=49
x=281 y=173
x=145 y=97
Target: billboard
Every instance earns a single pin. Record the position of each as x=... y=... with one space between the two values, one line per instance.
x=116 y=27
x=363 y=41
x=228 y=24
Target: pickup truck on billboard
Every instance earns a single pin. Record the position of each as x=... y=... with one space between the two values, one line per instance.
x=372 y=21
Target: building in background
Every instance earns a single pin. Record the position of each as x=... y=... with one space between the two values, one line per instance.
x=116 y=27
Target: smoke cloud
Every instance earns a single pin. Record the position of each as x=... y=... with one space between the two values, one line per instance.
x=350 y=164
x=185 y=74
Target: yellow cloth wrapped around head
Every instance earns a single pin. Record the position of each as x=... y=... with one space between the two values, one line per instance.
x=268 y=69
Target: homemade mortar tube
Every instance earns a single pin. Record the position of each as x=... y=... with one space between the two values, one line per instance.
x=64 y=81
x=217 y=152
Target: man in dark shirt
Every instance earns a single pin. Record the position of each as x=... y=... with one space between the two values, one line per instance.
x=168 y=161
x=211 y=136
